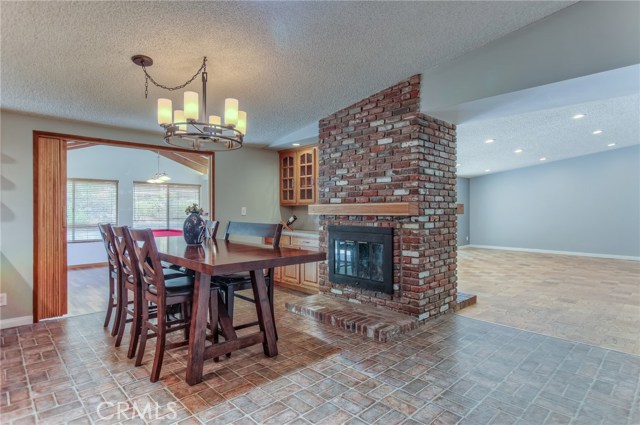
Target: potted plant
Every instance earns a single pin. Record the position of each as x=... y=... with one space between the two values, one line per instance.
x=194 y=226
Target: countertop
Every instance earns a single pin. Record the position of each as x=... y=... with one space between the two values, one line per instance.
x=311 y=234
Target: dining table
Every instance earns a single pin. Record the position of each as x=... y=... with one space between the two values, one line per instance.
x=218 y=257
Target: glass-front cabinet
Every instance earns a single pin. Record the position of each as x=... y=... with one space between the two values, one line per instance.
x=298 y=176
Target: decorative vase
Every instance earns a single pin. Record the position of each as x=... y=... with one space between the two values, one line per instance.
x=193 y=229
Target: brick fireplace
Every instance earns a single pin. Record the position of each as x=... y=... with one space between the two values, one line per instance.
x=382 y=150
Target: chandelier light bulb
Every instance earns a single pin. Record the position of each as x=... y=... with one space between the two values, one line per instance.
x=231 y=111
x=164 y=177
x=215 y=120
x=164 y=111
x=242 y=122
x=191 y=105
x=178 y=117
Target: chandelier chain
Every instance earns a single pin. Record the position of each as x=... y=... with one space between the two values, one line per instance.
x=147 y=78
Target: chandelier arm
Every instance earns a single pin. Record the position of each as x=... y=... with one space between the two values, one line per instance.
x=203 y=68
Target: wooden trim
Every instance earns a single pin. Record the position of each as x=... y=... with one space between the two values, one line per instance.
x=87 y=266
x=49 y=227
x=212 y=186
x=119 y=143
x=187 y=161
x=72 y=144
x=382 y=209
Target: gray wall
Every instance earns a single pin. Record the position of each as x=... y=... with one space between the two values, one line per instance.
x=589 y=204
x=246 y=178
x=462 y=191
x=16 y=218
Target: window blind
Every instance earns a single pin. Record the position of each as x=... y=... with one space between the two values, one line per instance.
x=161 y=206
x=90 y=202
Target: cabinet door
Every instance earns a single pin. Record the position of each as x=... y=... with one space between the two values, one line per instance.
x=277 y=274
x=309 y=275
x=287 y=179
x=290 y=274
x=306 y=167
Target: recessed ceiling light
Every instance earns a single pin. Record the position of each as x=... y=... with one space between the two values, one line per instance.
x=578 y=116
x=490 y=141
x=611 y=144
x=597 y=132
x=543 y=159
x=518 y=151
x=487 y=170
x=296 y=144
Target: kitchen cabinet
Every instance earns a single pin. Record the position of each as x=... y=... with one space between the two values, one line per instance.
x=300 y=277
x=298 y=176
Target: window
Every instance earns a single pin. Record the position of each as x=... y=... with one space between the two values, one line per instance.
x=90 y=202
x=161 y=206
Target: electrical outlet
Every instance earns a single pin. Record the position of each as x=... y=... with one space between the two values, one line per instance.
x=3 y=299
x=243 y=211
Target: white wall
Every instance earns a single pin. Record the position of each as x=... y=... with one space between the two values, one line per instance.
x=589 y=204
x=126 y=166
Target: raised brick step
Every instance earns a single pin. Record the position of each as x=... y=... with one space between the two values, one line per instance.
x=465 y=300
x=374 y=322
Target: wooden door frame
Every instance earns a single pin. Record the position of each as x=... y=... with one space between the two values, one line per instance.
x=61 y=258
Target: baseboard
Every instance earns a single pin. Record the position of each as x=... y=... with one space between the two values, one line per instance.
x=87 y=266
x=16 y=321
x=464 y=246
x=547 y=251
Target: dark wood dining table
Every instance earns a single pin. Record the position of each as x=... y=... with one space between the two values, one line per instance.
x=218 y=257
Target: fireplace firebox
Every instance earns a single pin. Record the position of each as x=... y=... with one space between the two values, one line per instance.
x=362 y=257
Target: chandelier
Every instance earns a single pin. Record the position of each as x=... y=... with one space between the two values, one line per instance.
x=185 y=128
x=159 y=177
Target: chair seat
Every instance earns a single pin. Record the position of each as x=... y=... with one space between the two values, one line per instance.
x=235 y=279
x=170 y=274
x=229 y=279
x=177 y=286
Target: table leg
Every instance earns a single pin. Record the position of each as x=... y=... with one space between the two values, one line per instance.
x=263 y=309
x=198 y=329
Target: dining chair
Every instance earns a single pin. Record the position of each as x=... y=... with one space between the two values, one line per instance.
x=106 y=232
x=211 y=227
x=163 y=293
x=231 y=283
x=131 y=283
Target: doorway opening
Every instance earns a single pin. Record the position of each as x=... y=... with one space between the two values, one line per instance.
x=81 y=182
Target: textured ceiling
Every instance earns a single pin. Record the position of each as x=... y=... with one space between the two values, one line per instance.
x=550 y=133
x=289 y=63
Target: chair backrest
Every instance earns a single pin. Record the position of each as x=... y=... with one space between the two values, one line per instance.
x=148 y=260
x=212 y=228
x=260 y=230
x=108 y=238
x=126 y=255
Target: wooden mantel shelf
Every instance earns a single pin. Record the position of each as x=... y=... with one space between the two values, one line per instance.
x=388 y=208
